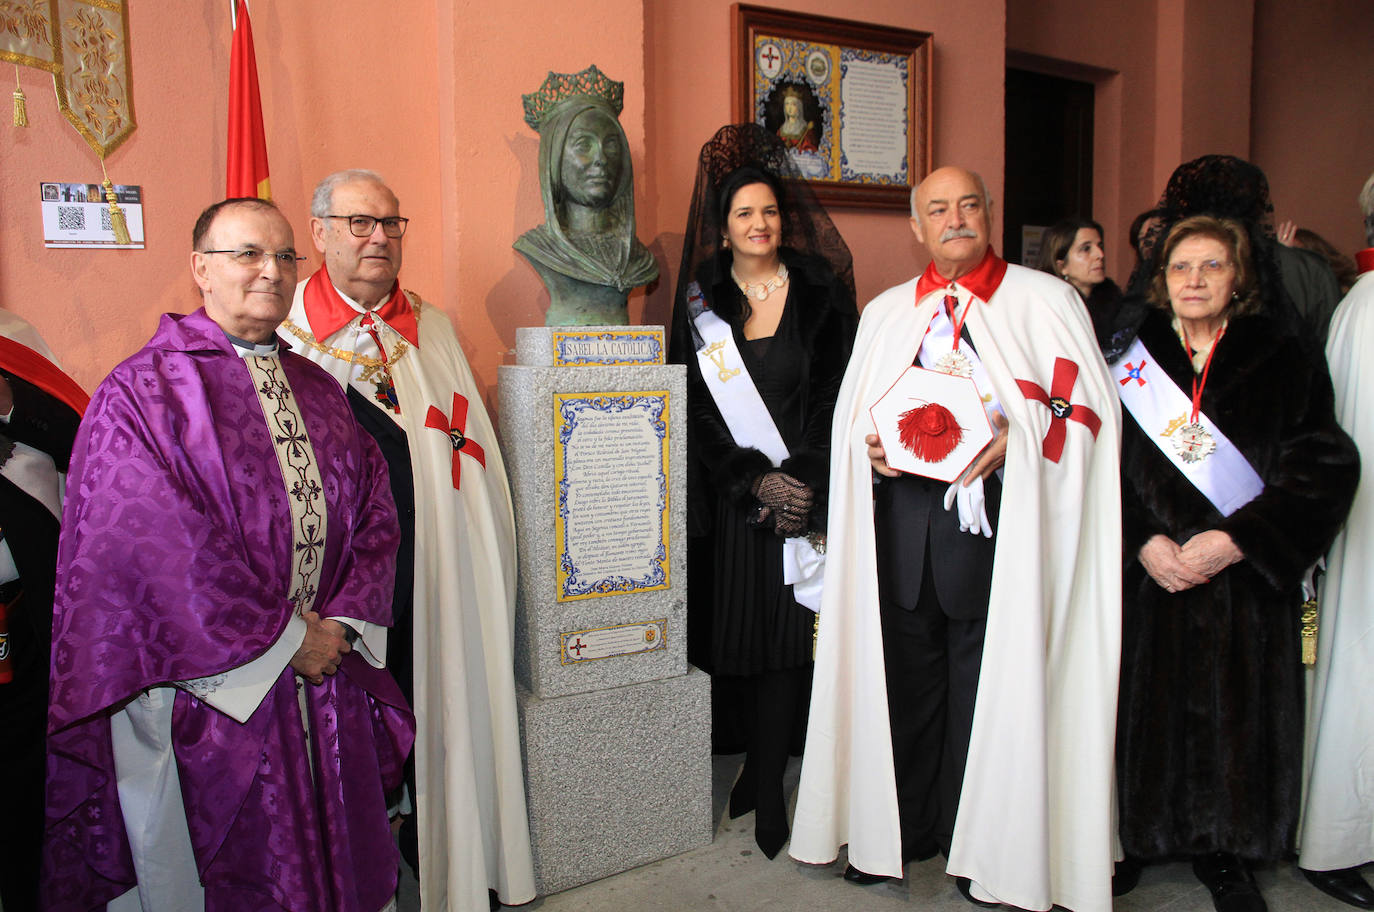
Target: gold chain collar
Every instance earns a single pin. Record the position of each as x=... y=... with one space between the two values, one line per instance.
x=369 y=364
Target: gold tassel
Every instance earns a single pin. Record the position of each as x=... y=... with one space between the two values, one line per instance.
x=21 y=110
x=1309 y=632
x=117 y=220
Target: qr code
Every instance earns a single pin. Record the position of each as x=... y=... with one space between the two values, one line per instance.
x=105 y=219
x=71 y=218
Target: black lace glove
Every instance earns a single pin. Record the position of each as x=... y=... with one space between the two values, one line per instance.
x=784 y=498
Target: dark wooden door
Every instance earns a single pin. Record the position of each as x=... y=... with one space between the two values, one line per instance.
x=1049 y=153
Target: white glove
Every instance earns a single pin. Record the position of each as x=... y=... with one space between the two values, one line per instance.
x=973 y=513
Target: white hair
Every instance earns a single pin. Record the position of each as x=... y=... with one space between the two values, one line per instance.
x=1367 y=197
x=323 y=198
x=982 y=188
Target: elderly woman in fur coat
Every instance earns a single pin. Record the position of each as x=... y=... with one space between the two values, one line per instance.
x=1232 y=488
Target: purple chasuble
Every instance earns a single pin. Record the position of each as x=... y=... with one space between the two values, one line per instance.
x=175 y=564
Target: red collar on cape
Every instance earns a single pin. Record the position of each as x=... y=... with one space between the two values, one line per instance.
x=1364 y=260
x=327 y=312
x=982 y=280
x=22 y=361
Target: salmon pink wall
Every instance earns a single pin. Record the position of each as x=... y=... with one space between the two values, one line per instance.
x=96 y=306
x=1158 y=102
x=429 y=94
x=689 y=79
x=1312 y=125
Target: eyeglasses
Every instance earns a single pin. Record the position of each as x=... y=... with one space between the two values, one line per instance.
x=254 y=259
x=363 y=225
x=1208 y=268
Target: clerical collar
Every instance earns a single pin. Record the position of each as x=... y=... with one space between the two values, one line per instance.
x=1364 y=260
x=982 y=281
x=245 y=349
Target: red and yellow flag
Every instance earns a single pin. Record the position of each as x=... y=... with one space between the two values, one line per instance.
x=247 y=165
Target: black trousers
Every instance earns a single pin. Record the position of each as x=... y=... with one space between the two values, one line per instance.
x=932 y=663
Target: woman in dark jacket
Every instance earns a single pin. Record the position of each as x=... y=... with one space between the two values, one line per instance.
x=764 y=320
x=1073 y=249
x=1231 y=490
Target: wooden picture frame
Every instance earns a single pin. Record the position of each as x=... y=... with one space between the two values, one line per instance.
x=851 y=99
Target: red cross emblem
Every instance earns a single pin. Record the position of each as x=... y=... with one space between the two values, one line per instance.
x=1057 y=401
x=577 y=647
x=456 y=429
x=1133 y=373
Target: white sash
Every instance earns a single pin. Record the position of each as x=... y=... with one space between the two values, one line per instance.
x=1159 y=407
x=750 y=424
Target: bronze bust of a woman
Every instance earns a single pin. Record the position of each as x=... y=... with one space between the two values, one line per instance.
x=586 y=251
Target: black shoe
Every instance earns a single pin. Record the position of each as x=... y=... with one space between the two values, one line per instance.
x=769 y=840
x=741 y=802
x=1345 y=884
x=1126 y=876
x=1230 y=881
x=408 y=841
x=966 y=890
x=744 y=796
x=493 y=900
x=863 y=878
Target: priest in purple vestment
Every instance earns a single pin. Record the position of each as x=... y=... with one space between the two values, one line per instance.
x=221 y=731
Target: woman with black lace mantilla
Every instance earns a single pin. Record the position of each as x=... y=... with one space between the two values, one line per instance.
x=764 y=320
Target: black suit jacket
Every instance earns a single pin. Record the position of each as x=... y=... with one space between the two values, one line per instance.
x=909 y=516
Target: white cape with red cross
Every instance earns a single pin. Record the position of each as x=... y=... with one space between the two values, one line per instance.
x=1337 y=828
x=474 y=828
x=1036 y=823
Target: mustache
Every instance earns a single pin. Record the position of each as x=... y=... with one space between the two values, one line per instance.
x=952 y=233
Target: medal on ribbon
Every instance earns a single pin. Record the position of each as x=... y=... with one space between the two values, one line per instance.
x=1192 y=441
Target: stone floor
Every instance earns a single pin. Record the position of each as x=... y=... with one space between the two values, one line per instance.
x=732 y=875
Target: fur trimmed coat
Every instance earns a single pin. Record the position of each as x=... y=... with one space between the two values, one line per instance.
x=732 y=561
x=1209 y=740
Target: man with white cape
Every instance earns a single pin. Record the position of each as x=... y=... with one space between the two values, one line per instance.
x=1035 y=823
x=411 y=387
x=1337 y=827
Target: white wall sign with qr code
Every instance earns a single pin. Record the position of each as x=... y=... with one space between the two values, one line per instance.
x=77 y=215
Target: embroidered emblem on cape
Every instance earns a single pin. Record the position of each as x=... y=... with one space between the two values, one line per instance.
x=1058 y=401
x=929 y=432
x=1133 y=373
x=301 y=474
x=456 y=429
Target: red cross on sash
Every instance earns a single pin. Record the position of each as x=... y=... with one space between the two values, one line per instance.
x=1133 y=373
x=456 y=429
x=1057 y=401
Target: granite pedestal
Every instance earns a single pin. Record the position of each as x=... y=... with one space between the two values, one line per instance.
x=615 y=725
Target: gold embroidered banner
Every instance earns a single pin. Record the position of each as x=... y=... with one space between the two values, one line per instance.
x=85 y=45
x=28 y=35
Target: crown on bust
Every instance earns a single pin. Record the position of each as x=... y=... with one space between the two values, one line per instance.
x=559 y=87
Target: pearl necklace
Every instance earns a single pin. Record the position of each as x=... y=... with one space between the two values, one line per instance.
x=765 y=288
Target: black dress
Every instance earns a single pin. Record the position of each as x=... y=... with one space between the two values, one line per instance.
x=1209 y=749
x=755 y=625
